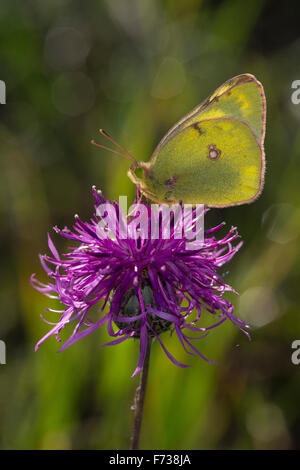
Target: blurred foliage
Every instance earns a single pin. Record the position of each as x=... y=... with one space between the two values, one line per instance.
x=134 y=67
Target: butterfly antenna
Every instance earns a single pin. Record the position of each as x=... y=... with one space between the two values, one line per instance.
x=107 y=136
x=111 y=150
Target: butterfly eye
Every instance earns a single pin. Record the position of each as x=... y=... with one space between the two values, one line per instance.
x=213 y=152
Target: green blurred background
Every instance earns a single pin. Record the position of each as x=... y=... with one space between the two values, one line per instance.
x=134 y=67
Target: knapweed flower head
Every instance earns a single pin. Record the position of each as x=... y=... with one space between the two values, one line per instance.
x=142 y=285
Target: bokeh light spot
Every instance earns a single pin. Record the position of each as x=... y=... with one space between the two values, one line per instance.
x=169 y=80
x=73 y=94
x=66 y=48
x=282 y=223
x=258 y=306
x=266 y=423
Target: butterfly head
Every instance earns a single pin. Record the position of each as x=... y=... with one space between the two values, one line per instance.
x=139 y=173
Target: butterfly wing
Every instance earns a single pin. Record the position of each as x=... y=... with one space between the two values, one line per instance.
x=233 y=120
x=241 y=97
x=216 y=162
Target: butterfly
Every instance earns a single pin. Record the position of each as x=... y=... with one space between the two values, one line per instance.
x=214 y=155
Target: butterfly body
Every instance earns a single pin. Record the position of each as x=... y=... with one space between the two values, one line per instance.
x=214 y=155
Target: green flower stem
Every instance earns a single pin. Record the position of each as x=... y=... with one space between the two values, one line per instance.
x=139 y=400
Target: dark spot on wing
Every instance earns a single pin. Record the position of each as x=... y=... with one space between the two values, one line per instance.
x=170 y=182
x=198 y=128
x=213 y=152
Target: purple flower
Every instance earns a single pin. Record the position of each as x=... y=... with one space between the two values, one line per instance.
x=146 y=285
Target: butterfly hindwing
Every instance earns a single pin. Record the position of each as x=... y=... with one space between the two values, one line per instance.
x=216 y=162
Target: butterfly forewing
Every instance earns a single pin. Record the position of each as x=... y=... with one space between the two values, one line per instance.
x=241 y=97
